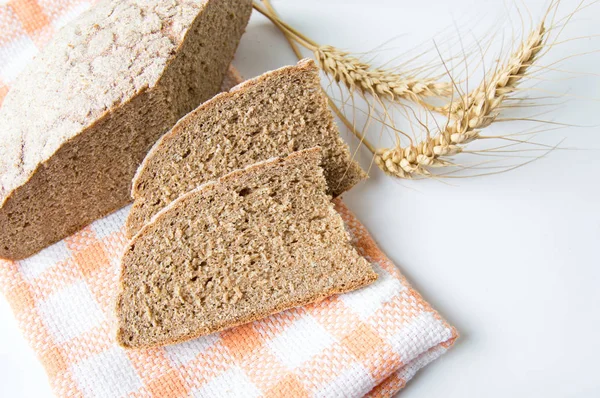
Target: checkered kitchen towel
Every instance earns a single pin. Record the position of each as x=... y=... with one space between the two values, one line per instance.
x=369 y=342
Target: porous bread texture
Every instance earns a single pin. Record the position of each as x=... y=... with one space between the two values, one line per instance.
x=275 y=114
x=81 y=117
x=251 y=244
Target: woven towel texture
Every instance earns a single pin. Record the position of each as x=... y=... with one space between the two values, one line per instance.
x=369 y=342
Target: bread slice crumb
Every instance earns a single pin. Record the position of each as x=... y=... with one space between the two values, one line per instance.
x=253 y=243
x=275 y=114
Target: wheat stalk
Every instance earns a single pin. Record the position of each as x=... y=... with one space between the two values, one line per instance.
x=467 y=116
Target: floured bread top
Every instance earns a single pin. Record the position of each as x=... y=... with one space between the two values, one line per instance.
x=112 y=52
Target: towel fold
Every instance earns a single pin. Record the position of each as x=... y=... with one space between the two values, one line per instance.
x=366 y=343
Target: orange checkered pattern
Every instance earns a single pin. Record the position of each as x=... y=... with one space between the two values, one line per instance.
x=366 y=343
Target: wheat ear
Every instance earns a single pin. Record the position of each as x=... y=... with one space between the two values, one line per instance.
x=466 y=116
x=359 y=76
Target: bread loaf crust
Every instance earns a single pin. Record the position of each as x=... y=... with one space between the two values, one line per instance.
x=82 y=116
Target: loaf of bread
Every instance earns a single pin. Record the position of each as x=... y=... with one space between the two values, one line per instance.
x=252 y=243
x=272 y=115
x=82 y=116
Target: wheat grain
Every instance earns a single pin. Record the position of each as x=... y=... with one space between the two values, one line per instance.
x=467 y=117
x=488 y=97
x=360 y=76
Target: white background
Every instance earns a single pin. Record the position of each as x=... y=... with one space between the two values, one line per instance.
x=511 y=260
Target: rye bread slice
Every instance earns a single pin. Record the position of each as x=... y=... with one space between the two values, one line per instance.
x=275 y=114
x=250 y=244
x=82 y=115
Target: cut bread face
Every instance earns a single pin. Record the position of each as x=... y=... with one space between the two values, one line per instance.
x=272 y=115
x=250 y=244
